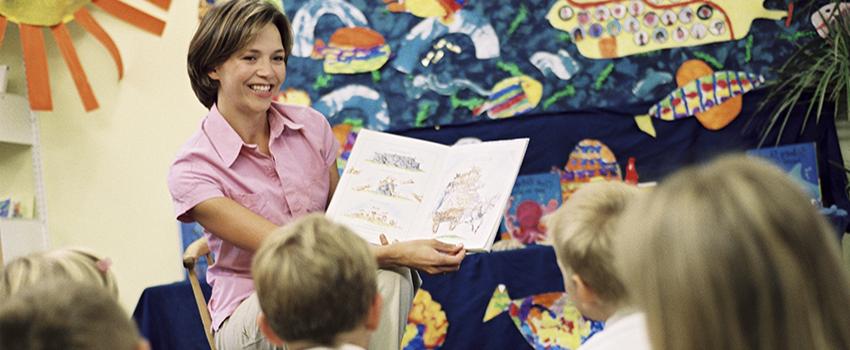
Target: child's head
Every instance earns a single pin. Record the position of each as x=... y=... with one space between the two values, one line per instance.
x=225 y=30
x=66 y=315
x=315 y=280
x=732 y=255
x=74 y=264
x=583 y=230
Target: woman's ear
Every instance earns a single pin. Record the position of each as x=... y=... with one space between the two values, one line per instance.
x=213 y=74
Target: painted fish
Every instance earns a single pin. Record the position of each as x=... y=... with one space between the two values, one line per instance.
x=427 y=324
x=546 y=321
x=619 y=28
x=512 y=96
x=443 y=9
x=590 y=160
x=352 y=50
x=704 y=93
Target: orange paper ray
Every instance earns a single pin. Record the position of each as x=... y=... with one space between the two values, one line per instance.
x=85 y=19
x=132 y=15
x=66 y=46
x=2 y=29
x=163 y=4
x=35 y=62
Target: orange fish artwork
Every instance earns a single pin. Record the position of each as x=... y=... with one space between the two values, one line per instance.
x=352 y=50
x=714 y=98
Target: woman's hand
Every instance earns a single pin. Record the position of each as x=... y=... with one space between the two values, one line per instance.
x=427 y=255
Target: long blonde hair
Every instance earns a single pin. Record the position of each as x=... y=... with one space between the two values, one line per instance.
x=731 y=255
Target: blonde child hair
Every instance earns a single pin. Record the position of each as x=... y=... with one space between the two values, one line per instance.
x=583 y=231
x=732 y=255
x=315 y=280
x=77 y=264
x=66 y=315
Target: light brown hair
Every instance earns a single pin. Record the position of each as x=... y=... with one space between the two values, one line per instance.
x=65 y=315
x=77 y=264
x=583 y=230
x=732 y=255
x=224 y=30
x=315 y=280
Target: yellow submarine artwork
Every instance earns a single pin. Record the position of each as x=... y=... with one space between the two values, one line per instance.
x=619 y=28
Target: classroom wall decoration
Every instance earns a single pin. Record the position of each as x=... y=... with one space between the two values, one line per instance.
x=427 y=324
x=394 y=65
x=33 y=16
x=547 y=321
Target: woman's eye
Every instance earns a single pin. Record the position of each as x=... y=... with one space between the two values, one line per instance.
x=278 y=58
x=249 y=58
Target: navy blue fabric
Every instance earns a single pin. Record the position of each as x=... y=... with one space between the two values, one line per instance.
x=464 y=294
x=678 y=143
x=168 y=318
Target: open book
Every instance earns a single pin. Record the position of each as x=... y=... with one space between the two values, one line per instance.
x=410 y=189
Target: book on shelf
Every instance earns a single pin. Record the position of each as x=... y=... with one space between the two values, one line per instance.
x=409 y=189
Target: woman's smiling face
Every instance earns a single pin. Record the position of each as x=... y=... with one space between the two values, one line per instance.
x=250 y=78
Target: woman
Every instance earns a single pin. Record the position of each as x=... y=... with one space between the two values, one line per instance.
x=732 y=255
x=255 y=165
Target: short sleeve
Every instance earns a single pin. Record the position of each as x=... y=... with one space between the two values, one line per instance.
x=330 y=145
x=190 y=185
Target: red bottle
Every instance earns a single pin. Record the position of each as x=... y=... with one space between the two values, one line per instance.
x=631 y=172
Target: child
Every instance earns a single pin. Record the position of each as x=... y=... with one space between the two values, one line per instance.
x=75 y=264
x=583 y=231
x=316 y=282
x=62 y=314
x=731 y=255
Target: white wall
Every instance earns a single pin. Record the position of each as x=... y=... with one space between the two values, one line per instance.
x=105 y=171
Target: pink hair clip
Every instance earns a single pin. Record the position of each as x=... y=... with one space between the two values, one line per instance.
x=103 y=264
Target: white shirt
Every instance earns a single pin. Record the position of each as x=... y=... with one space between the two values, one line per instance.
x=341 y=347
x=622 y=331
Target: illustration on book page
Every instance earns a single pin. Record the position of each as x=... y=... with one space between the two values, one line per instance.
x=390 y=186
x=462 y=203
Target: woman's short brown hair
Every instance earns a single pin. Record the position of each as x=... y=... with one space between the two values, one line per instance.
x=223 y=31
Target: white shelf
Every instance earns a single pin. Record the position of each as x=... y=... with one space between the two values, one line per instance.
x=15 y=120
x=19 y=237
x=19 y=126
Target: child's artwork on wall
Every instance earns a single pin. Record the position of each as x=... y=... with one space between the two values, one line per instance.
x=799 y=161
x=427 y=324
x=532 y=197
x=626 y=27
x=547 y=321
x=392 y=65
x=590 y=160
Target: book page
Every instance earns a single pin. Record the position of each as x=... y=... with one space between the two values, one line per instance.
x=384 y=183
x=468 y=199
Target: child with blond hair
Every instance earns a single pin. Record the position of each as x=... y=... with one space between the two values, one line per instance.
x=583 y=231
x=732 y=255
x=316 y=285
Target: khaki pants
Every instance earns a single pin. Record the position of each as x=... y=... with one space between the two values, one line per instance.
x=241 y=331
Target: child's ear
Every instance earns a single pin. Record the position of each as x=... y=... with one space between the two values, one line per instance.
x=263 y=322
x=143 y=345
x=374 y=316
x=583 y=291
